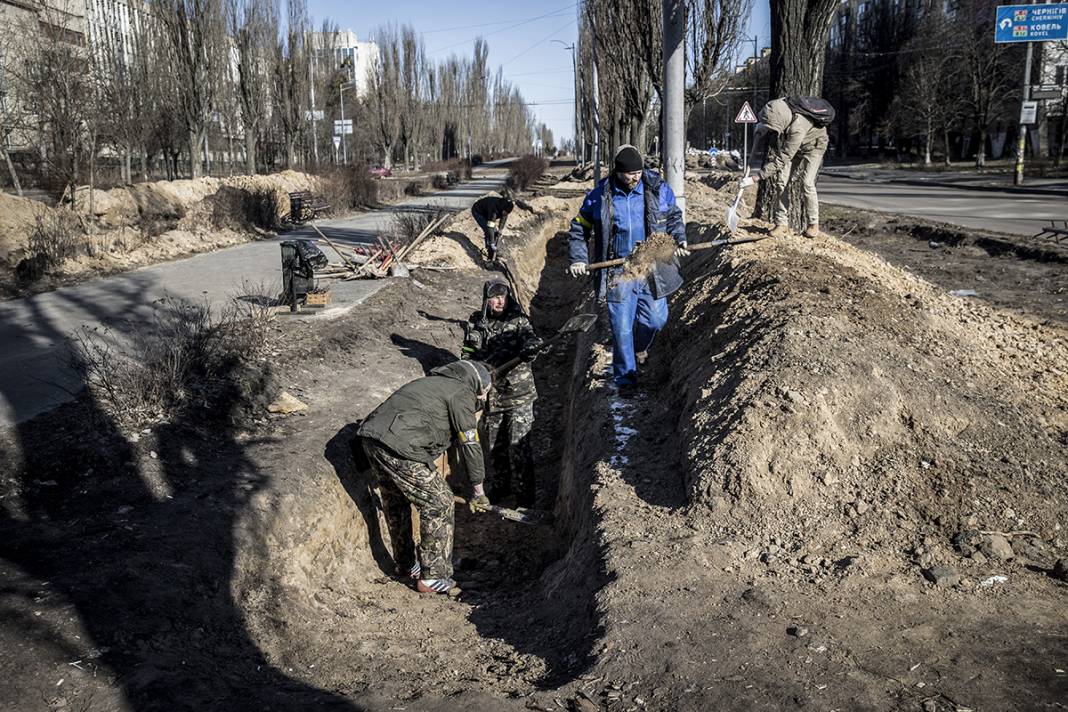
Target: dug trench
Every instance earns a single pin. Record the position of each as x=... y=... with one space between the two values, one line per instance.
x=817 y=432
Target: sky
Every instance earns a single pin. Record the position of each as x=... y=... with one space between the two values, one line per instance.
x=520 y=38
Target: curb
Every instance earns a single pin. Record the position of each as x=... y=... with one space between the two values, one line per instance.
x=979 y=188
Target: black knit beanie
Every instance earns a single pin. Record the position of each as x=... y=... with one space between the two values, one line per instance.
x=628 y=160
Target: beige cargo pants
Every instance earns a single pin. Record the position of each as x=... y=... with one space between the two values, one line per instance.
x=808 y=160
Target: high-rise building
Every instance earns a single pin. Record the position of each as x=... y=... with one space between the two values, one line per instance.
x=343 y=50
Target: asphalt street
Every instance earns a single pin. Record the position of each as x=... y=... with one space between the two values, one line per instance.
x=36 y=331
x=997 y=211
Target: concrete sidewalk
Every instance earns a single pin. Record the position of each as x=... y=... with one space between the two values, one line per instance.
x=35 y=331
x=964 y=180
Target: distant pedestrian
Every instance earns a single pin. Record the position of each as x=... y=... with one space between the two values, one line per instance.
x=797 y=129
x=491 y=213
x=624 y=209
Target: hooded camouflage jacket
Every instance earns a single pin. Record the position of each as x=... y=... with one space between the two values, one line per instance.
x=496 y=339
x=422 y=418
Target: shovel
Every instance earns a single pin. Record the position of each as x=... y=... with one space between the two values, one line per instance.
x=519 y=514
x=692 y=248
x=732 y=213
x=574 y=325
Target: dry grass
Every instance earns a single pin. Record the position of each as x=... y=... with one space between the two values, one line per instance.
x=54 y=237
x=186 y=359
x=525 y=171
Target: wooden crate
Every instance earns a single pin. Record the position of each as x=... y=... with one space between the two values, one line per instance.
x=318 y=299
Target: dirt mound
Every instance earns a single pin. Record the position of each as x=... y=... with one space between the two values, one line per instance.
x=461 y=245
x=838 y=404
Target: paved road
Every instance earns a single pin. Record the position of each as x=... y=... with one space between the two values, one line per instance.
x=35 y=332
x=1014 y=213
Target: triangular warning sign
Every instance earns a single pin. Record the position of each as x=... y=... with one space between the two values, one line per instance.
x=745 y=115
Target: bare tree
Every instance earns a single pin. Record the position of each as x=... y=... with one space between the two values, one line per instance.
x=385 y=92
x=291 y=76
x=252 y=25
x=927 y=101
x=989 y=69
x=50 y=73
x=193 y=35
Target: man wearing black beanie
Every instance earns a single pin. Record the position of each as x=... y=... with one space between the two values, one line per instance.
x=622 y=210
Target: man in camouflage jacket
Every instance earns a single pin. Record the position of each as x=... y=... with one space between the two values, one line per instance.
x=494 y=335
x=402 y=438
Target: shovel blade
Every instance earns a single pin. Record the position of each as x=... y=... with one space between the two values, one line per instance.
x=577 y=323
x=522 y=515
x=732 y=214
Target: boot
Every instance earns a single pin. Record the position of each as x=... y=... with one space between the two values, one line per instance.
x=780 y=231
x=442 y=586
x=812 y=232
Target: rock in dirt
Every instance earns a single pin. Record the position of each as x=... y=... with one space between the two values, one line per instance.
x=967 y=542
x=286 y=404
x=997 y=547
x=798 y=631
x=1060 y=570
x=942 y=576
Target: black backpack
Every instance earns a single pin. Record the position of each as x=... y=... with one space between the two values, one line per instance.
x=818 y=111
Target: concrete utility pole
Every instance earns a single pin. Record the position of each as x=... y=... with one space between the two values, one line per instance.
x=674 y=143
x=596 y=106
x=579 y=148
x=1021 y=142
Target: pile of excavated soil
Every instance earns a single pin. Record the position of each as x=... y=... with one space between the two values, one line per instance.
x=147 y=222
x=839 y=404
x=461 y=246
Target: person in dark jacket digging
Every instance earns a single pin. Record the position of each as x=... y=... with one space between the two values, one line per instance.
x=621 y=211
x=402 y=438
x=496 y=334
x=491 y=213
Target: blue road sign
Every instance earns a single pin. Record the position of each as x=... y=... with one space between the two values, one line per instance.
x=1032 y=23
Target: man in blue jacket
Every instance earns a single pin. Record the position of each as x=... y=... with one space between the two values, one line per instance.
x=621 y=211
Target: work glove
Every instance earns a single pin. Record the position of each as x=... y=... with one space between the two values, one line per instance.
x=748 y=181
x=479 y=503
x=577 y=269
x=529 y=353
x=681 y=251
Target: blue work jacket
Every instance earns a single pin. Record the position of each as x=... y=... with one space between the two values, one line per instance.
x=631 y=215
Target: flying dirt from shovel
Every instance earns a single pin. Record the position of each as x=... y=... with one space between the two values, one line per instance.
x=639 y=265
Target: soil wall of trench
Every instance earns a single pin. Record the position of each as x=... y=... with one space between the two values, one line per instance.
x=313 y=533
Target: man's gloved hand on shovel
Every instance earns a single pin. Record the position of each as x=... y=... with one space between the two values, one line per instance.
x=681 y=251
x=748 y=181
x=577 y=269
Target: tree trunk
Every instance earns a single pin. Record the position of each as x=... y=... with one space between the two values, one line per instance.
x=928 y=137
x=250 y=150
x=948 y=160
x=387 y=157
x=799 y=30
x=980 y=153
x=144 y=164
x=11 y=170
x=195 y=140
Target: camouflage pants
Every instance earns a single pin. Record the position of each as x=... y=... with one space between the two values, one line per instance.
x=403 y=484
x=506 y=445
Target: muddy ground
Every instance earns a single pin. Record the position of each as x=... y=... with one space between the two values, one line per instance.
x=814 y=430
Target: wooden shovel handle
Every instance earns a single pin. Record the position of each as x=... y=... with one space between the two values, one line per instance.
x=691 y=248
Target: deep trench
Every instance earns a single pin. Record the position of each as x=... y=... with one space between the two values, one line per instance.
x=533 y=586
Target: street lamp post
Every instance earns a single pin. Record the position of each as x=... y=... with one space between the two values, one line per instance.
x=344 y=143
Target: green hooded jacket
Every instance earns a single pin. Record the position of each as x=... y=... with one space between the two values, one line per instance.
x=422 y=418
